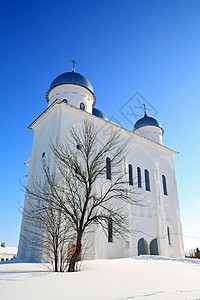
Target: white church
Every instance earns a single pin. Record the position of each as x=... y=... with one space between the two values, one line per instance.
x=71 y=99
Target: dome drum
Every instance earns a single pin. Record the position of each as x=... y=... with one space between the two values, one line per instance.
x=73 y=95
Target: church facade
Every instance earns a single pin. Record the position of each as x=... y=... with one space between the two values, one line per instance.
x=71 y=100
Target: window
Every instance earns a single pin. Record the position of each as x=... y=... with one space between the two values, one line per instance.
x=43 y=154
x=164 y=184
x=108 y=168
x=110 y=230
x=130 y=170
x=168 y=235
x=65 y=101
x=147 y=183
x=82 y=106
x=139 y=177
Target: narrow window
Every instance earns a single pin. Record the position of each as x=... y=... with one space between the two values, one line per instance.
x=130 y=170
x=168 y=235
x=110 y=230
x=164 y=184
x=108 y=168
x=147 y=183
x=139 y=177
x=82 y=106
x=43 y=154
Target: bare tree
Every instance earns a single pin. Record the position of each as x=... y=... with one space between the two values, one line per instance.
x=47 y=233
x=77 y=186
x=193 y=253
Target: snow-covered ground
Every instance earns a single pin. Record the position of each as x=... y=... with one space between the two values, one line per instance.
x=144 y=277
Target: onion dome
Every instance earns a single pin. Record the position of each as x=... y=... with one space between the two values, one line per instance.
x=74 y=78
x=147 y=121
x=98 y=113
x=71 y=78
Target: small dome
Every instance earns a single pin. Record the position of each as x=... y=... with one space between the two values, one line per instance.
x=98 y=113
x=71 y=78
x=146 y=121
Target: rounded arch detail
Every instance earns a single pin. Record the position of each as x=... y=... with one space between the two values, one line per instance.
x=136 y=147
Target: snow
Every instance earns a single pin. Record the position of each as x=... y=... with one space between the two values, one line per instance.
x=7 y=252
x=143 y=277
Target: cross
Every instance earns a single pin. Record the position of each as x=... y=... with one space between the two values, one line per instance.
x=145 y=111
x=74 y=62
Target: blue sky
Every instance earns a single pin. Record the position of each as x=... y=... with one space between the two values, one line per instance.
x=151 y=47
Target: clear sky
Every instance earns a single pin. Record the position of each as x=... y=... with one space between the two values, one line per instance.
x=122 y=47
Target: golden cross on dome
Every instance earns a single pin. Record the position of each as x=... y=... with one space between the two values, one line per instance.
x=74 y=62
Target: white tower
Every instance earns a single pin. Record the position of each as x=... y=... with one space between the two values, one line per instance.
x=72 y=88
x=70 y=99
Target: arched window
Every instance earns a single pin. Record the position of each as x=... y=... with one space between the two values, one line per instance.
x=139 y=177
x=164 y=184
x=143 y=248
x=108 y=168
x=82 y=106
x=147 y=183
x=65 y=101
x=168 y=235
x=110 y=230
x=130 y=172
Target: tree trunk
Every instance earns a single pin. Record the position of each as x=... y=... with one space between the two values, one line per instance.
x=56 y=262
x=76 y=253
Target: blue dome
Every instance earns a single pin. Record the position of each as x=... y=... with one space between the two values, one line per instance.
x=146 y=121
x=72 y=77
x=98 y=113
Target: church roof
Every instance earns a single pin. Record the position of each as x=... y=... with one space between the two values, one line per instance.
x=146 y=121
x=71 y=78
